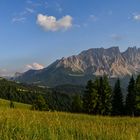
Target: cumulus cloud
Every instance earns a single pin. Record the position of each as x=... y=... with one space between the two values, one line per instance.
x=34 y=66
x=137 y=17
x=50 y=23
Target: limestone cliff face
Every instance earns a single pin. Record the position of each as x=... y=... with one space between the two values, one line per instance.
x=101 y=61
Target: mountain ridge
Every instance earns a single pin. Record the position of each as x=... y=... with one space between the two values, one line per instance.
x=87 y=64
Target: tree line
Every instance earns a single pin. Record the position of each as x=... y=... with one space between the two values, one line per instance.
x=100 y=99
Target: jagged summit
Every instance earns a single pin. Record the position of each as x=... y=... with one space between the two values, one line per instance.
x=99 y=61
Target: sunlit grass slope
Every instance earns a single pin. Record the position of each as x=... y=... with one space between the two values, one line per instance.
x=17 y=124
x=6 y=104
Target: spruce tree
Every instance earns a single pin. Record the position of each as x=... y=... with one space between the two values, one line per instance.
x=105 y=96
x=117 y=101
x=131 y=98
x=90 y=98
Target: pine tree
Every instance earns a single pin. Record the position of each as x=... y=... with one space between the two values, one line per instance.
x=117 y=101
x=105 y=96
x=131 y=98
x=90 y=98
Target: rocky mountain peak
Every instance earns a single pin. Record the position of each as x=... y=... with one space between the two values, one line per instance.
x=99 y=61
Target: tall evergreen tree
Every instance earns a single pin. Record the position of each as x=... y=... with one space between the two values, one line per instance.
x=100 y=96
x=90 y=98
x=105 y=96
x=117 y=101
x=131 y=98
x=97 y=98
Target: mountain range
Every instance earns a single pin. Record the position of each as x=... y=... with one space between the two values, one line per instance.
x=78 y=69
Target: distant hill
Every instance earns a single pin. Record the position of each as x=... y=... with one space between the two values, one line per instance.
x=78 y=69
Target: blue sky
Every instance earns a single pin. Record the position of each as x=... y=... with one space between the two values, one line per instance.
x=34 y=33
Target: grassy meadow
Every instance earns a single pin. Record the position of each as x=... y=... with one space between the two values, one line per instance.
x=24 y=124
x=5 y=104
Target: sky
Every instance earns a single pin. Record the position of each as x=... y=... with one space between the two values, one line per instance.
x=34 y=33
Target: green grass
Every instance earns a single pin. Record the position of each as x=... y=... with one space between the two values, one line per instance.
x=6 y=104
x=18 y=124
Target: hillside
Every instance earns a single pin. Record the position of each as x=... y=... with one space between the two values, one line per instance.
x=5 y=104
x=78 y=69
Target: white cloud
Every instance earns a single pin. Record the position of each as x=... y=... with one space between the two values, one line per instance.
x=137 y=17
x=34 y=4
x=50 y=23
x=30 y=10
x=34 y=66
x=25 y=13
x=18 y=19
